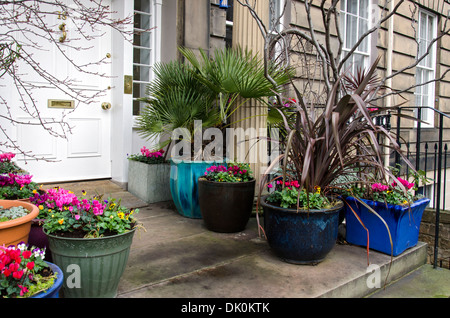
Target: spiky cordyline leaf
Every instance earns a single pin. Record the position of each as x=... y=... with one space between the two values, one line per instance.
x=323 y=147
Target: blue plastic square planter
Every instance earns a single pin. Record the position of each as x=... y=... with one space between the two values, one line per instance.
x=403 y=223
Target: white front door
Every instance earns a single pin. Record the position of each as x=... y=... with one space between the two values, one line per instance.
x=85 y=152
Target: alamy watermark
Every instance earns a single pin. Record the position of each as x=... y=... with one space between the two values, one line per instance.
x=374 y=278
x=249 y=145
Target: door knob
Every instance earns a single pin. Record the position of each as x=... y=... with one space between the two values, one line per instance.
x=106 y=106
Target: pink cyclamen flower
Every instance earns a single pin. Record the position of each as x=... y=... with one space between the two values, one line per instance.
x=379 y=187
x=405 y=183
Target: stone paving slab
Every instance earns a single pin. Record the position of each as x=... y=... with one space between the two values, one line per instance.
x=178 y=257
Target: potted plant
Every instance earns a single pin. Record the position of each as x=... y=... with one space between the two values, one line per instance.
x=15 y=221
x=323 y=146
x=46 y=201
x=195 y=96
x=93 y=234
x=385 y=216
x=15 y=183
x=7 y=165
x=25 y=274
x=176 y=99
x=17 y=186
x=149 y=176
x=226 y=197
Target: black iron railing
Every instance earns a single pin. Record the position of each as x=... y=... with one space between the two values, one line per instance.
x=425 y=158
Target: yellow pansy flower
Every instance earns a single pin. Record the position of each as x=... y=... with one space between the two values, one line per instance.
x=61 y=221
x=120 y=215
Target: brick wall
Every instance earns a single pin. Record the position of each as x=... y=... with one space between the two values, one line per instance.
x=427 y=233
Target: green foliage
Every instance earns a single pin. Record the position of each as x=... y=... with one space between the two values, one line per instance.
x=21 y=271
x=205 y=90
x=12 y=213
x=63 y=211
x=175 y=99
x=291 y=198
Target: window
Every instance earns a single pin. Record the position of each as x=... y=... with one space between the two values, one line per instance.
x=143 y=49
x=354 y=22
x=425 y=70
x=229 y=24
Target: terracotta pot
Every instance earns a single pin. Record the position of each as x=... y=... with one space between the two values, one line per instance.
x=15 y=231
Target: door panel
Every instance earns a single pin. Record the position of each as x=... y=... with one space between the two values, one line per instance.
x=85 y=152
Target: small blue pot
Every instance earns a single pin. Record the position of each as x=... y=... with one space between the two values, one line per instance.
x=52 y=292
x=301 y=237
x=184 y=176
x=403 y=223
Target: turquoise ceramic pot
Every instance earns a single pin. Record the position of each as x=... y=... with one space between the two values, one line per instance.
x=184 y=176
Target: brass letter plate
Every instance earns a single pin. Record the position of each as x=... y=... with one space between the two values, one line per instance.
x=58 y=103
x=128 y=84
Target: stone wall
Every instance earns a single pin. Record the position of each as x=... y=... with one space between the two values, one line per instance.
x=427 y=234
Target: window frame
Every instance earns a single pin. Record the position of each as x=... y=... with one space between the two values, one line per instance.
x=344 y=13
x=430 y=71
x=154 y=38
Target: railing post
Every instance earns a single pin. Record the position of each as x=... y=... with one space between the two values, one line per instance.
x=438 y=198
x=419 y=112
x=397 y=155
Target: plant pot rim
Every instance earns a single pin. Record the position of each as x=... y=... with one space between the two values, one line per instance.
x=89 y=238
x=202 y=179
x=335 y=208
x=34 y=211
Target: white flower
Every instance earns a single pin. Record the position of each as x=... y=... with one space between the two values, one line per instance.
x=22 y=246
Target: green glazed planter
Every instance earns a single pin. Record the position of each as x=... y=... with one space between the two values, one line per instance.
x=100 y=262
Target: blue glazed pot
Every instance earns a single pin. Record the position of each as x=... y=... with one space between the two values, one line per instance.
x=301 y=237
x=403 y=223
x=52 y=292
x=184 y=176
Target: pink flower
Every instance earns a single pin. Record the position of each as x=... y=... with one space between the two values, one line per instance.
x=270 y=185
x=379 y=187
x=23 y=290
x=405 y=183
x=18 y=274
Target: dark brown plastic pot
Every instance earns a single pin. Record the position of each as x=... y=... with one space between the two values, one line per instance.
x=226 y=207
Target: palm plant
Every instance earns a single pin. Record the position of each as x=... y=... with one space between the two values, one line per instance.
x=175 y=99
x=204 y=90
x=236 y=75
